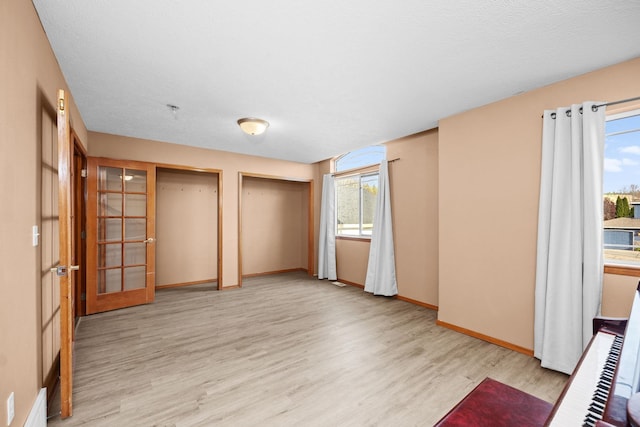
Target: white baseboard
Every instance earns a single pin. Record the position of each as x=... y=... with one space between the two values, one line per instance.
x=38 y=415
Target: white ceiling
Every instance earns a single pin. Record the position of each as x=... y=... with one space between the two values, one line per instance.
x=330 y=76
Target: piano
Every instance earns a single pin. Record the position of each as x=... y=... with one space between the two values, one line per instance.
x=602 y=391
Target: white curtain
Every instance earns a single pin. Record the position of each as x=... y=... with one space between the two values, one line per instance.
x=569 y=266
x=327 y=237
x=381 y=270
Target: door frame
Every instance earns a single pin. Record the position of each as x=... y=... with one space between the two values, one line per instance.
x=310 y=228
x=217 y=172
x=79 y=196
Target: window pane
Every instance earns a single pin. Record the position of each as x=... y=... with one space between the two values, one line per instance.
x=135 y=181
x=367 y=156
x=109 y=179
x=109 y=281
x=369 y=193
x=135 y=229
x=135 y=253
x=348 y=206
x=622 y=190
x=110 y=204
x=135 y=205
x=134 y=278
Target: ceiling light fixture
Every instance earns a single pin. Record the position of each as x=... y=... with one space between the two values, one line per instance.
x=253 y=126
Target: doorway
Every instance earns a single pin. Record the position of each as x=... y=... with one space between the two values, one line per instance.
x=275 y=225
x=188 y=227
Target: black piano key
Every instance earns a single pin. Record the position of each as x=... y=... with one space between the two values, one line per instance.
x=601 y=393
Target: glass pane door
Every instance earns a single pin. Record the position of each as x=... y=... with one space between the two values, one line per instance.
x=122 y=196
x=123 y=232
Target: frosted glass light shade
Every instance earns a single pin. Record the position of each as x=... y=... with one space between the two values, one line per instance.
x=253 y=126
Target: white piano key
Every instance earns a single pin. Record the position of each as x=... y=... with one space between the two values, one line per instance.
x=574 y=406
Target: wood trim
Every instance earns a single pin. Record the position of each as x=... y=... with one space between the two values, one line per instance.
x=275 y=177
x=187 y=168
x=225 y=288
x=78 y=143
x=239 y=279
x=268 y=273
x=178 y=285
x=486 y=338
x=357 y=171
x=122 y=299
x=401 y=298
x=65 y=236
x=354 y=239
x=622 y=270
x=311 y=233
x=416 y=302
x=79 y=189
x=220 y=228
x=150 y=284
x=346 y=282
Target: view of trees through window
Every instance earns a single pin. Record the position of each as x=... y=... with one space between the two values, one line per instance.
x=356 y=204
x=622 y=189
x=356 y=193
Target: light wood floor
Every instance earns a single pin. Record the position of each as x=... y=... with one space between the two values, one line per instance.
x=285 y=350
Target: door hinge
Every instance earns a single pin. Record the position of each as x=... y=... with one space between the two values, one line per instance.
x=83 y=173
x=83 y=234
x=83 y=297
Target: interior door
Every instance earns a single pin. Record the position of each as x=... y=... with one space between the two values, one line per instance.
x=65 y=270
x=120 y=234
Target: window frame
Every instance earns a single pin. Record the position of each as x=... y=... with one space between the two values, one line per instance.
x=619 y=268
x=358 y=173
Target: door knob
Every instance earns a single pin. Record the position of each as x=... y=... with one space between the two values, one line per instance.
x=150 y=240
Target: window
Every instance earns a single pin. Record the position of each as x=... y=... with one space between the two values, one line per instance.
x=622 y=189
x=355 y=204
x=367 y=156
x=356 y=193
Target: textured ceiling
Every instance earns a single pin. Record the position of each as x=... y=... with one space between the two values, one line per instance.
x=330 y=76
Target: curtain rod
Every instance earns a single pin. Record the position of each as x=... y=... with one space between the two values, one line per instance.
x=595 y=107
x=622 y=101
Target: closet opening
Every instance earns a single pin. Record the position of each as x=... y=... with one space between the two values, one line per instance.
x=188 y=227
x=275 y=225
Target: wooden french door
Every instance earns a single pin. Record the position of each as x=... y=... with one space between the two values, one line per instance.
x=120 y=234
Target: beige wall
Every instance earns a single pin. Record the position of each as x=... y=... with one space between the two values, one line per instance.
x=230 y=165
x=617 y=295
x=352 y=256
x=414 y=203
x=275 y=216
x=186 y=226
x=29 y=80
x=489 y=162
